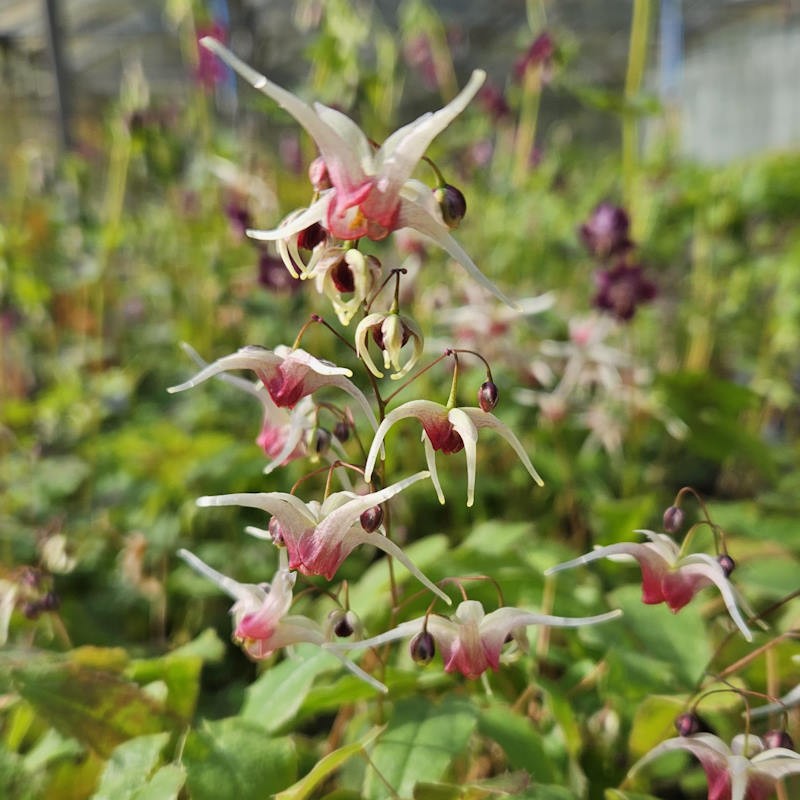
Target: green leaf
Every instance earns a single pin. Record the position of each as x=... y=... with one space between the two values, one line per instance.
x=326 y=766
x=180 y=674
x=130 y=767
x=520 y=740
x=420 y=741
x=274 y=699
x=166 y=784
x=679 y=640
x=616 y=794
x=97 y=707
x=653 y=722
x=232 y=759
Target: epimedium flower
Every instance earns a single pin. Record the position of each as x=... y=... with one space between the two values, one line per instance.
x=450 y=430
x=287 y=374
x=261 y=620
x=319 y=536
x=605 y=233
x=391 y=332
x=666 y=576
x=747 y=770
x=346 y=277
x=621 y=289
x=471 y=641
x=372 y=193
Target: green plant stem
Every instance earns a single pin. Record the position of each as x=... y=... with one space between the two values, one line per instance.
x=637 y=58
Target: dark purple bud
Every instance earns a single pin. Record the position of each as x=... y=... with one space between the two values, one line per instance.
x=311 y=236
x=341 y=430
x=727 y=563
x=343 y=628
x=422 y=648
x=371 y=519
x=452 y=203
x=318 y=174
x=539 y=54
x=494 y=101
x=621 y=289
x=487 y=395
x=276 y=532
x=32 y=609
x=688 y=724
x=777 y=738
x=673 y=519
x=50 y=602
x=322 y=441
x=605 y=233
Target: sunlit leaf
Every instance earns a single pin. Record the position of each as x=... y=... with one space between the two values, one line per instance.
x=233 y=759
x=420 y=741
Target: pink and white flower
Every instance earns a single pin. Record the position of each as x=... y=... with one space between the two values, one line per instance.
x=319 y=536
x=372 y=191
x=746 y=770
x=261 y=620
x=449 y=430
x=471 y=641
x=666 y=576
x=287 y=374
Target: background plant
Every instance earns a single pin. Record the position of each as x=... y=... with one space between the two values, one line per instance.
x=109 y=260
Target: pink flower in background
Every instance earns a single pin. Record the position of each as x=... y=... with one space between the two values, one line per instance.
x=747 y=770
x=208 y=71
x=666 y=577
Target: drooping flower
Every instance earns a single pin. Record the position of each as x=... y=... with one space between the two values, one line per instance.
x=605 y=233
x=471 y=641
x=747 y=770
x=346 y=277
x=622 y=289
x=319 y=537
x=261 y=620
x=391 y=332
x=287 y=374
x=666 y=577
x=449 y=430
x=372 y=191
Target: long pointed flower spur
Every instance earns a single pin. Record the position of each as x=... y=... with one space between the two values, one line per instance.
x=666 y=577
x=449 y=430
x=261 y=620
x=372 y=191
x=472 y=640
x=319 y=537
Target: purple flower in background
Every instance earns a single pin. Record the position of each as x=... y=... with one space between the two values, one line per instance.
x=493 y=101
x=539 y=54
x=621 y=288
x=605 y=233
x=210 y=72
x=273 y=275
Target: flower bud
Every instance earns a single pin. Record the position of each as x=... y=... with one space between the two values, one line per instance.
x=422 y=648
x=275 y=532
x=341 y=430
x=32 y=609
x=689 y=723
x=318 y=174
x=487 y=395
x=673 y=519
x=322 y=441
x=371 y=519
x=50 y=602
x=777 y=738
x=727 y=563
x=452 y=203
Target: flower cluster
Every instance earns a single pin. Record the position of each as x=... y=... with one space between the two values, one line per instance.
x=360 y=192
